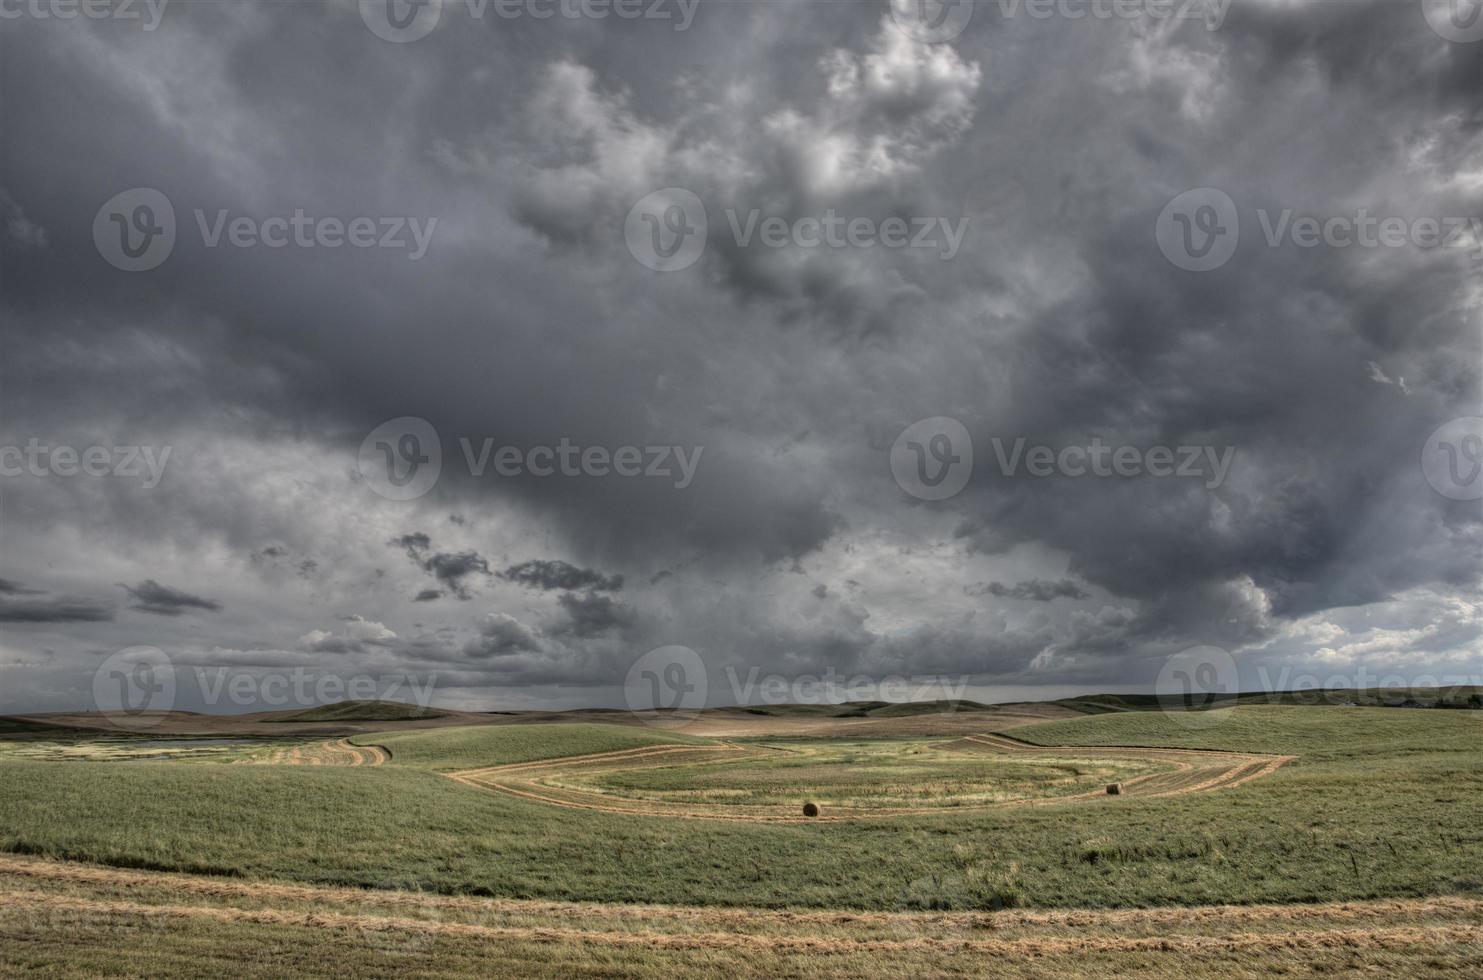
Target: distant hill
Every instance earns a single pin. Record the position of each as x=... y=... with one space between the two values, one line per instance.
x=24 y=726
x=859 y=709
x=359 y=711
x=1389 y=697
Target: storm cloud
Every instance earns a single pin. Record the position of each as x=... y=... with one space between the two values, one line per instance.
x=533 y=320
x=152 y=597
x=548 y=575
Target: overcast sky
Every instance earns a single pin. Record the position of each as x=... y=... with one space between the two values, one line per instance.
x=511 y=291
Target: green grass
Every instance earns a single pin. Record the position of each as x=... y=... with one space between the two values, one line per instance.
x=1383 y=803
x=1317 y=735
x=447 y=749
x=862 y=773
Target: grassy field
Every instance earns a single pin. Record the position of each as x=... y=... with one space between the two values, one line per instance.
x=1377 y=805
x=76 y=920
x=863 y=773
x=1327 y=735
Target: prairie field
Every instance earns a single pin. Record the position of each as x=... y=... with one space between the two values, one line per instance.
x=1245 y=842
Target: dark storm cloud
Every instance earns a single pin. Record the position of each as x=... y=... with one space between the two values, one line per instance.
x=527 y=321
x=500 y=635
x=557 y=574
x=1035 y=590
x=452 y=569
x=590 y=614
x=152 y=597
x=50 y=609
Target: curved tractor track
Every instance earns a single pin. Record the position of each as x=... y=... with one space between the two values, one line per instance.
x=336 y=752
x=1191 y=771
x=100 y=898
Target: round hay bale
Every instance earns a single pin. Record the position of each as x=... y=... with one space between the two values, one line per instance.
x=811 y=809
x=1114 y=789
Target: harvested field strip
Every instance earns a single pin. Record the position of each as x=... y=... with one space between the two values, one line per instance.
x=333 y=753
x=643 y=752
x=1195 y=771
x=37 y=879
x=1200 y=770
x=1373 y=938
